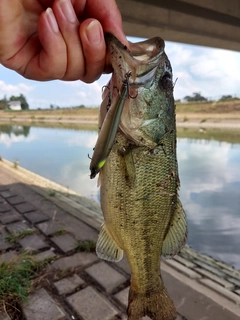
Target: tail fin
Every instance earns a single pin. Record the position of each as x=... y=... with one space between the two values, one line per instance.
x=157 y=305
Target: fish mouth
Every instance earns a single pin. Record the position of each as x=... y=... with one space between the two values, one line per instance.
x=132 y=67
x=141 y=58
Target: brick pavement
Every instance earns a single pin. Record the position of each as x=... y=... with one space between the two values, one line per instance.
x=92 y=289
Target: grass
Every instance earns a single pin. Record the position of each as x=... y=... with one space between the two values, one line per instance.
x=16 y=279
x=59 y=232
x=209 y=107
x=14 y=237
x=86 y=246
x=63 y=273
x=227 y=135
x=52 y=193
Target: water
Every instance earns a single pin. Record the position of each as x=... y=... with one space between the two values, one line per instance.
x=208 y=165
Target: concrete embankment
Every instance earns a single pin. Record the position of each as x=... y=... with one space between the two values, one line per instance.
x=201 y=287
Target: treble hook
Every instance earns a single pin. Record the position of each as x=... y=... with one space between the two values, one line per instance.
x=103 y=87
x=126 y=84
x=116 y=88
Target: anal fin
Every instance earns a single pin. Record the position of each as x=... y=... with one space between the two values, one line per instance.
x=177 y=233
x=107 y=248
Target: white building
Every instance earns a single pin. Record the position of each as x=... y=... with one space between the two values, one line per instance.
x=14 y=105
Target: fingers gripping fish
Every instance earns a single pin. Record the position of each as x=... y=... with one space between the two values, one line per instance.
x=136 y=156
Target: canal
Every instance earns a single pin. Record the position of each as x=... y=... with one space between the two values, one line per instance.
x=209 y=167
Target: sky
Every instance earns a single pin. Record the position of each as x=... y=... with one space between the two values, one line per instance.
x=212 y=72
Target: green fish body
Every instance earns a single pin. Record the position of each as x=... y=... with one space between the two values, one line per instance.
x=139 y=182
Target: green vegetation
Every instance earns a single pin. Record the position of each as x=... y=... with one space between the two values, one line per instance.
x=52 y=193
x=14 y=237
x=196 y=96
x=228 y=98
x=59 y=232
x=22 y=99
x=86 y=246
x=215 y=108
x=4 y=102
x=16 y=279
x=61 y=274
x=227 y=135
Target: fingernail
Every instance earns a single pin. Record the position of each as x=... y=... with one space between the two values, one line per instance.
x=93 y=33
x=67 y=10
x=51 y=20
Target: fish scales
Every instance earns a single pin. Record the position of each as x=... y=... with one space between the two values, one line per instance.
x=143 y=216
x=136 y=227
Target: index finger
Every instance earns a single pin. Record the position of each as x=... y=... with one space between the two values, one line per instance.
x=108 y=14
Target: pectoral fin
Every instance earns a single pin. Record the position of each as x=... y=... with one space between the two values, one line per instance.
x=107 y=248
x=177 y=233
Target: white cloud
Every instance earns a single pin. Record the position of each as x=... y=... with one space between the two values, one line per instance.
x=184 y=80
x=9 y=89
x=81 y=94
x=72 y=173
x=8 y=141
x=177 y=52
x=216 y=64
x=213 y=72
x=82 y=140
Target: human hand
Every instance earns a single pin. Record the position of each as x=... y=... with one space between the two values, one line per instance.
x=57 y=39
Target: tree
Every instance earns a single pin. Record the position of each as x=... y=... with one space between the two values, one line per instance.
x=195 y=97
x=3 y=103
x=22 y=99
x=226 y=97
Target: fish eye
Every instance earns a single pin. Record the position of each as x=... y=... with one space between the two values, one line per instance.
x=165 y=82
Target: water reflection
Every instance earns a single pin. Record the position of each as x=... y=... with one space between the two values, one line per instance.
x=210 y=192
x=14 y=130
x=60 y=155
x=209 y=173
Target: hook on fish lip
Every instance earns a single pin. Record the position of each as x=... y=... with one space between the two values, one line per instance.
x=126 y=84
x=103 y=87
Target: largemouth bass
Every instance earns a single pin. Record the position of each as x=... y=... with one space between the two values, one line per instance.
x=136 y=156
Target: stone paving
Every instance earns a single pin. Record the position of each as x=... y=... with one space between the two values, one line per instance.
x=88 y=288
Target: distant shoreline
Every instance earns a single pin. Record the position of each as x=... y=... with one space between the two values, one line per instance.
x=198 y=115
x=189 y=123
